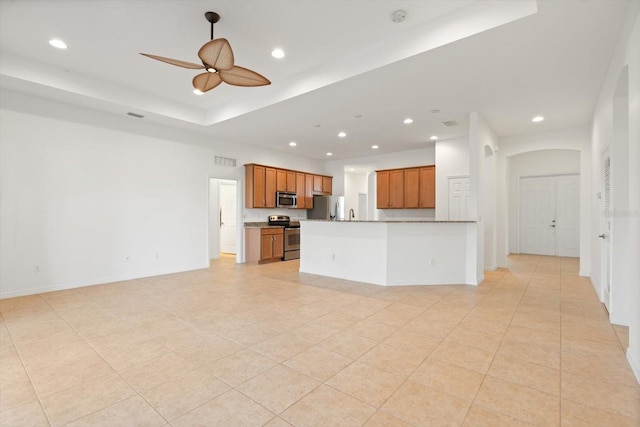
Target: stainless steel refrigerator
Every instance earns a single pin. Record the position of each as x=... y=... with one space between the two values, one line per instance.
x=327 y=207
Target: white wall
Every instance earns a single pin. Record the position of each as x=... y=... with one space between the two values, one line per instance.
x=452 y=160
x=625 y=308
x=574 y=139
x=534 y=163
x=77 y=199
x=482 y=167
x=354 y=184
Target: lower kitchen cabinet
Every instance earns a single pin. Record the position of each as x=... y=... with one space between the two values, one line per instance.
x=264 y=244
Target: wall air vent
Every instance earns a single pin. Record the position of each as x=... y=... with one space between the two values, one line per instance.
x=136 y=115
x=225 y=161
x=450 y=123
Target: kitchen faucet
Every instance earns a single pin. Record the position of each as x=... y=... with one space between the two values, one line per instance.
x=351 y=214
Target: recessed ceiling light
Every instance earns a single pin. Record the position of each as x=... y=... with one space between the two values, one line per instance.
x=537 y=119
x=375 y=147
x=58 y=43
x=292 y=144
x=342 y=134
x=329 y=154
x=434 y=137
x=408 y=121
x=198 y=92
x=277 y=53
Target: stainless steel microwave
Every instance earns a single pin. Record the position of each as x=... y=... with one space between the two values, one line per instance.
x=286 y=200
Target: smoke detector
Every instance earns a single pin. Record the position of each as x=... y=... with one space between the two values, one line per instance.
x=398 y=16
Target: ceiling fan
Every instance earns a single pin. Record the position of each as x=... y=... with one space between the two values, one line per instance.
x=217 y=59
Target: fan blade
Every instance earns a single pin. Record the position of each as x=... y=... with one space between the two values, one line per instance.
x=206 y=81
x=240 y=76
x=217 y=53
x=177 y=62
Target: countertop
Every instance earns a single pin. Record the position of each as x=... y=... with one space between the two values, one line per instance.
x=387 y=221
x=266 y=225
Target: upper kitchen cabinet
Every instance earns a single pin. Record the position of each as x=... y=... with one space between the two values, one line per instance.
x=327 y=185
x=427 y=198
x=300 y=190
x=412 y=188
x=407 y=188
x=308 y=191
x=260 y=184
x=285 y=180
x=322 y=184
x=396 y=189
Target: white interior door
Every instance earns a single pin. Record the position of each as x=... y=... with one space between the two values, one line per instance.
x=606 y=229
x=537 y=216
x=550 y=215
x=568 y=215
x=228 y=217
x=459 y=195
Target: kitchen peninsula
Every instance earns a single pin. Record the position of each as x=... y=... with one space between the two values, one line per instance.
x=392 y=252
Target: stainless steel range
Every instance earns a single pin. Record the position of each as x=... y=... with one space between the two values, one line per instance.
x=291 y=235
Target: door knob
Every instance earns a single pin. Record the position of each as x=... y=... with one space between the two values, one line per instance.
x=601 y=236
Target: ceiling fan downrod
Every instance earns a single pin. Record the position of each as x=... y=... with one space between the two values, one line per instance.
x=212 y=17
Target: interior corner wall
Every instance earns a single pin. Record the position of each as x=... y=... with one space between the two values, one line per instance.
x=88 y=197
x=83 y=206
x=486 y=147
x=452 y=160
x=603 y=136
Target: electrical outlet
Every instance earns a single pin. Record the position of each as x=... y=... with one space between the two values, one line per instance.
x=36 y=269
x=333 y=256
x=127 y=259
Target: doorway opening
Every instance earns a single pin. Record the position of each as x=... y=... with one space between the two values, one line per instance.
x=224 y=234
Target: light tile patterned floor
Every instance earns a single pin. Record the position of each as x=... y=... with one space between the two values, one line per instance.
x=245 y=345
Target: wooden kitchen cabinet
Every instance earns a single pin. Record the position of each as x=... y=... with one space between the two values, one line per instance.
x=300 y=190
x=285 y=180
x=317 y=184
x=411 y=188
x=327 y=185
x=281 y=180
x=308 y=191
x=427 y=197
x=322 y=184
x=396 y=189
x=260 y=184
x=406 y=188
x=264 y=244
x=291 y=181
x=382 y=189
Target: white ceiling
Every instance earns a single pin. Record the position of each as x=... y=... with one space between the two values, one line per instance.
x=348 y=66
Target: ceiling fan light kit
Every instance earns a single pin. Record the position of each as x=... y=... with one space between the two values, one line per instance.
x=218 y=62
